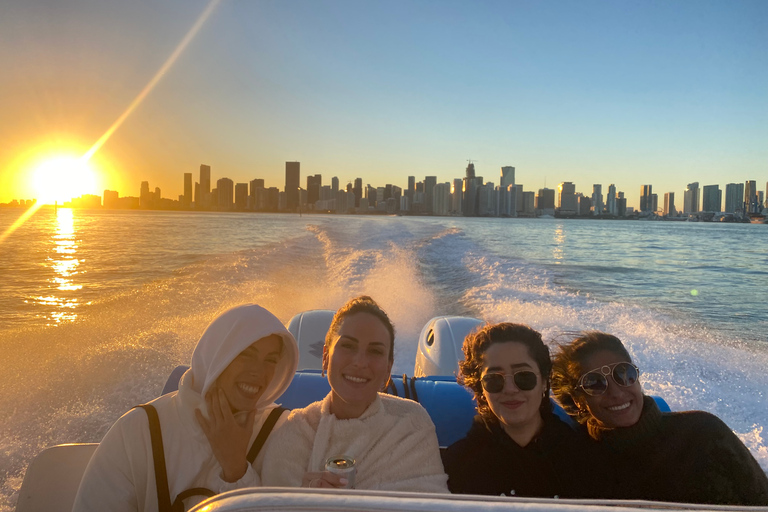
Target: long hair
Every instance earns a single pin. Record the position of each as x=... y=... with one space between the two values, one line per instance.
x=568 y=367
x=362 y=304
x=475 y=346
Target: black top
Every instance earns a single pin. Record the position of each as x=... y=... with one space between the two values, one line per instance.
x=690 y=457
x=489 y=462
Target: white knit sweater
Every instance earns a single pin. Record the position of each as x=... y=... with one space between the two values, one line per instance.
x=393 y=443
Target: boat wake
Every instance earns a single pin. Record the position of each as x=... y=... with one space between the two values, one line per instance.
x=71 y=382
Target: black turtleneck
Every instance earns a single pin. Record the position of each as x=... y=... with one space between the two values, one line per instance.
x=690 y=457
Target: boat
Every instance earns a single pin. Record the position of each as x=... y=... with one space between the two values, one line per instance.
x=53 y=477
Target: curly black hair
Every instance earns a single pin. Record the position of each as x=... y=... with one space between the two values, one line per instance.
x=475 y=345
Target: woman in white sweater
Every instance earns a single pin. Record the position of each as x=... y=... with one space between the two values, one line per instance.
x=242 y=363
x=392 y=440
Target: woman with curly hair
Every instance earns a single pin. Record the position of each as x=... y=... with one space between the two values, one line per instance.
x=516 y=446
x=690 y=457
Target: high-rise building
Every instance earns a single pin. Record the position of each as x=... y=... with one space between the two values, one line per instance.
x=313 y=188
x=358 y=191
x=507 y=177
x=145 y=196
x=597 y=200
x=429 y=185
x=187 y=202
x=241 y=197
x=751 y=200
x=469 y=192
x=545 y=201
x=334 y=187
x=610 y=203
x=669 y=204
x=646 y=202
x=711 y=199
x=292 y=184
x=224 y=192
x=566 y=198
x=734 y=197
x=205 y=186
x=691 y=198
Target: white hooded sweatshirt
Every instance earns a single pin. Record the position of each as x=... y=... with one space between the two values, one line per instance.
x=121 y=476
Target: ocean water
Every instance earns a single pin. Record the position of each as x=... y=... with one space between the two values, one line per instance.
x=96 y=308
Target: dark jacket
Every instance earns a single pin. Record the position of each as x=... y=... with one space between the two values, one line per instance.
x=489 y=462
x=690 y=457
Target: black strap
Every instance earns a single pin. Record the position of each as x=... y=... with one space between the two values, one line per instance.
x=406 y=394
x=178 y=503
x=266 y=428
x=158 y=454
x=414 y=396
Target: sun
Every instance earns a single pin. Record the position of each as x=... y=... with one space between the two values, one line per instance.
x=62 y=178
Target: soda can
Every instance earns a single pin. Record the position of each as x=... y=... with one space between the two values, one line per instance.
x=343 y=466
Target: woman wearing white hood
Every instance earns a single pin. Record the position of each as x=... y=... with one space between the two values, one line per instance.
x=245 y=359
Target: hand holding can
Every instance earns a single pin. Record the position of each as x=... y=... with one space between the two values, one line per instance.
x=343 y=466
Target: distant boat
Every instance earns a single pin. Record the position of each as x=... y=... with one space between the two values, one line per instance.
x=757 y=218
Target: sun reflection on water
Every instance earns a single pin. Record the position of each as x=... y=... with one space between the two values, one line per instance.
x=64 y=263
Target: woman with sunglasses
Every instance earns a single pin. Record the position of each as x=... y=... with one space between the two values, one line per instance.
x=516 y=445
x=690 y=457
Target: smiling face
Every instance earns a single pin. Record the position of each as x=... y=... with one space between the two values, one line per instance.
x=358 y=364
x=250 y=373
x=618 y=406
x=517 y=410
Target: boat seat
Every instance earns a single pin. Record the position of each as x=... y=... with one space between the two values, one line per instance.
x=53 y=477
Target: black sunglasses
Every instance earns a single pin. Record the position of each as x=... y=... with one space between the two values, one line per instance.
x=595 y=382
x=524 y=380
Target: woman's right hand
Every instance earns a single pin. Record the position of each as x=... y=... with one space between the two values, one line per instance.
x=324 y=479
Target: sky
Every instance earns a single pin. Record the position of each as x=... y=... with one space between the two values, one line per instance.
x=654 y=92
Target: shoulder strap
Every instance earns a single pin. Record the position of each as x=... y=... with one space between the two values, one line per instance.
x=266 y=428
x=178 y=503
x=158 y=454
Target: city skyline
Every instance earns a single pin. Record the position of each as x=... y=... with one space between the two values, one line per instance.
x=595 y=93
x=476 y=197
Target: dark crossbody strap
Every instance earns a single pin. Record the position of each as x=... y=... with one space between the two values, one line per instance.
x=158 y=454
x=266 y=428
x=178 y=503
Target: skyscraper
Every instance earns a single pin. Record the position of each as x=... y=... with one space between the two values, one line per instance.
x=470 y=192
x=750 y=197
x=313 y=188
x=205 y=186
x=712 y=199
x=646 y=204
x=187 y=190
x=357 y=190
x=429 y=198
x=669 y=204
x=145 y=196
x=734 y=197
x=225 y=192
x=691 y=198
x=597 y=199
x=566 y=198
x=241 y=197
x=507 y=177
x=334 y=187
x=610 y=204
x=292 y=184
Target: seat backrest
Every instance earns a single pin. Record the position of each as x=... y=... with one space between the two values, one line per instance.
x=53 y=477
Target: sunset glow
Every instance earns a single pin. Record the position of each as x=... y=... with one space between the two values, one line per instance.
x=60 y=179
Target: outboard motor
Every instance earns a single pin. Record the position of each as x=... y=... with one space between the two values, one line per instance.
x=439 y=350
x=309 y=328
